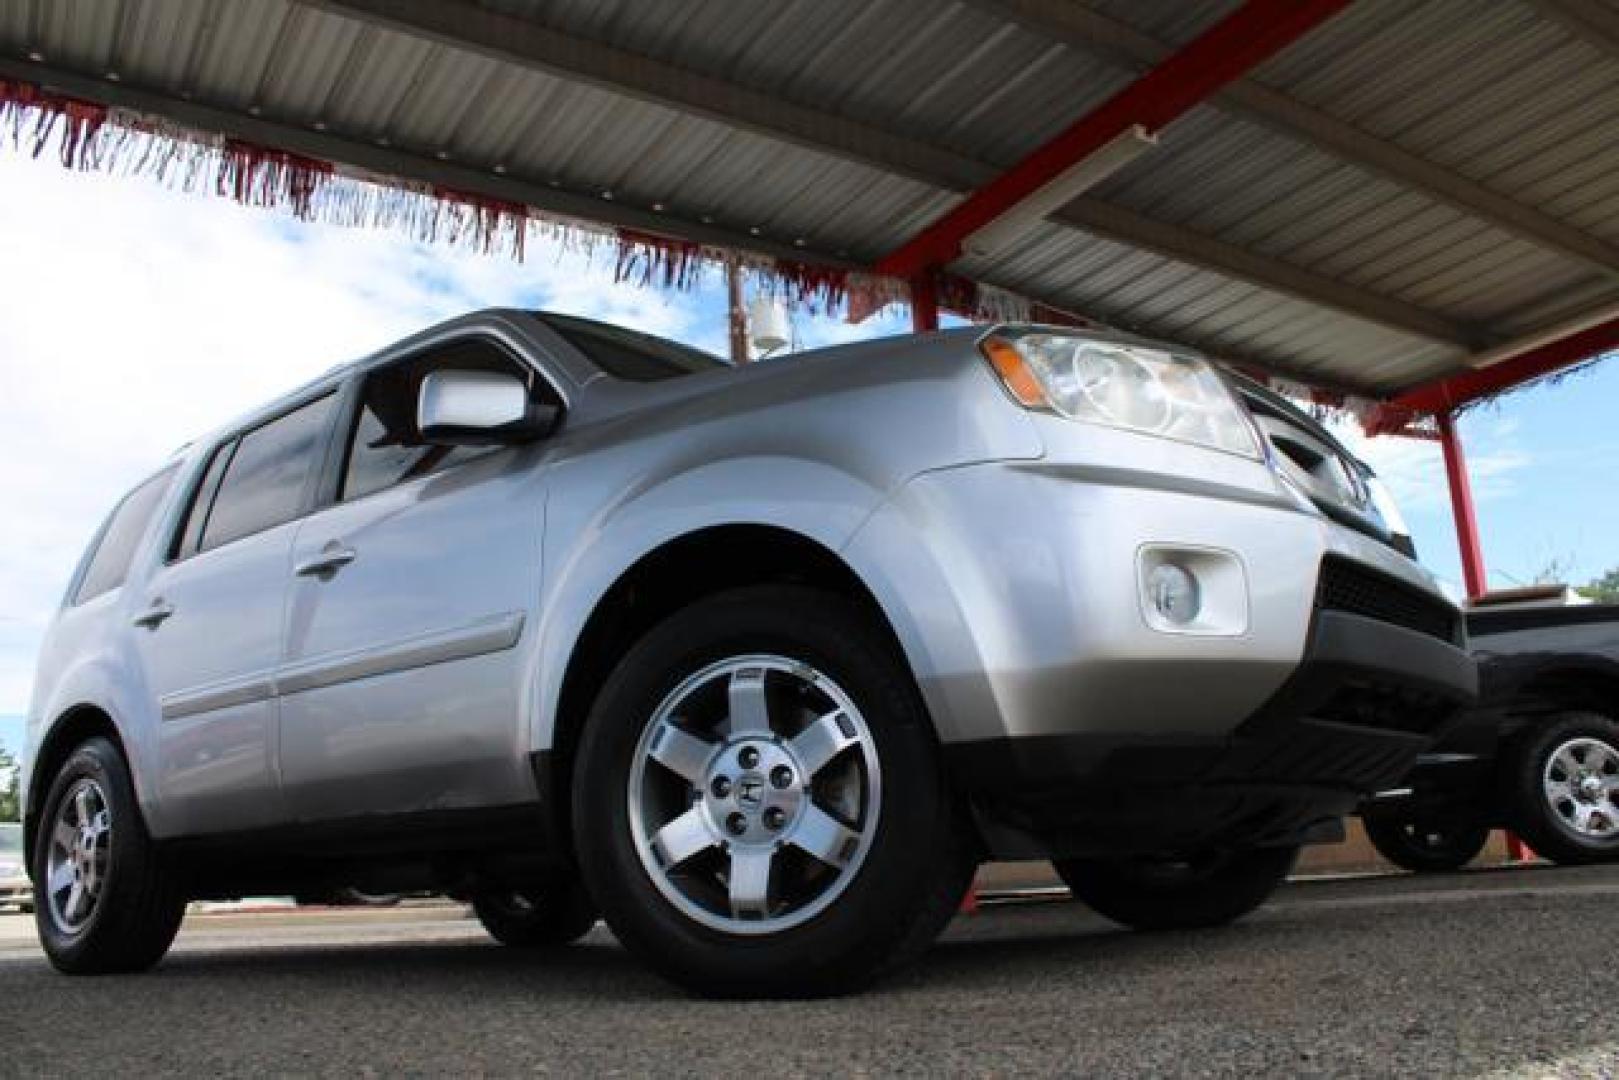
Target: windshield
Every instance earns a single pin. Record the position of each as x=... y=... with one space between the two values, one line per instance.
x=628 y=354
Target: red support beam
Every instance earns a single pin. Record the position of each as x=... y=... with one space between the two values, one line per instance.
x=1461 y=507
x=1470 y=386
x=1225 y=52
x=924 y=302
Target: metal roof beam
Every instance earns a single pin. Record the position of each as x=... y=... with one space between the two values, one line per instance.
x=1095 y=33
x=1597 y=23
x=1544 y=359
x=522 y=41
x=1248 y=36
x=529 y=44
x=1122 y=226
x=393 y=162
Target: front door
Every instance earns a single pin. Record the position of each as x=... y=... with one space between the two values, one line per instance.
x=401 y=685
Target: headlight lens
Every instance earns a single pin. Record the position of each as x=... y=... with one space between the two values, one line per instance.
x=1126 y=386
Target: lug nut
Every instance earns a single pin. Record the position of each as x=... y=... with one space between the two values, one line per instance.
x=775 y=817
x=781 y=776
x=721 y=787
x=749 y=757
x=736 y=824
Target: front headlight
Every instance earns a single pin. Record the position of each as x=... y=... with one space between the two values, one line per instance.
x=1126 y=386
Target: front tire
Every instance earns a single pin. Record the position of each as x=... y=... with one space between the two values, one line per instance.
x=535 y=918
x=1203 y=891
x=103 y=899
x=758 y=802
x=1424 y=847
x=1563 y=789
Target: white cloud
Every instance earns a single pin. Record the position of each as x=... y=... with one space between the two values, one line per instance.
x=133 y=319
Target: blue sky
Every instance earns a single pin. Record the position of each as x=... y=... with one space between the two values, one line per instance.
x=135 y=318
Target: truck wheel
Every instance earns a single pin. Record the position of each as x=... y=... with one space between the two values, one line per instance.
x=103 y=900
x=1563 y=783
x=535 y=918
x=758 y=802
x=1209 y=890
x=1424 y=847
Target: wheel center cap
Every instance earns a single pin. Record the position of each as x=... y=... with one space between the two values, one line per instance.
x=1590 y=788
x=750 y=791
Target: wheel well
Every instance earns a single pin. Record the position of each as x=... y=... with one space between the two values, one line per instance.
x=662 y=582
x=1573 y=689
x=73 y=728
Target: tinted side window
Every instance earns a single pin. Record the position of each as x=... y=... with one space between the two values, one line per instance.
x=189 y=536
x=266 y=479
x=123 y=533
x=384 y=447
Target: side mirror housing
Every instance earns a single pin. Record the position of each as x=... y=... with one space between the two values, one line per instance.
x=480 y=408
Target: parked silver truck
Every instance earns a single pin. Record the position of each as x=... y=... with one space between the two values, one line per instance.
x=757 y=662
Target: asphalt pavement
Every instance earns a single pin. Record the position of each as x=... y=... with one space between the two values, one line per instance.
x=1488 y=972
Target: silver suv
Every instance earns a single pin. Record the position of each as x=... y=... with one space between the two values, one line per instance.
x=758 y=663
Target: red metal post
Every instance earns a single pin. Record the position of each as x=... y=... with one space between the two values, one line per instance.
x=1473 y=572
x=1226 y=51
x=1461 y=507
x=924 y=302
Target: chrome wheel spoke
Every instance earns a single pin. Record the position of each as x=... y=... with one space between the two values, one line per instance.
x=101 y=823
x=76 y=904
x=681 y=839
x=749 y=886
x=64 y=836
x=60 y=878
x=749 y=713
x=824 y=740
x=681 y=752
x=825 y=837
x=1558 y=791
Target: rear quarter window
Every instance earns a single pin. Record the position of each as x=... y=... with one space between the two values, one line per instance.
x=115 y=546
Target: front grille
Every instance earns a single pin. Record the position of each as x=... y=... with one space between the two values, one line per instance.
x=1347 y=586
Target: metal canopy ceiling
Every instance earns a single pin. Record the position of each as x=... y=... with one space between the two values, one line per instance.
x=1411 y=190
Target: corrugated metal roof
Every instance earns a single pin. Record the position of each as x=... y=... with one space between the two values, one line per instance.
x=1513 y=101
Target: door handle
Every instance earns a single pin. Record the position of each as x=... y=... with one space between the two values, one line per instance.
x=332 y=558
x=154 y=615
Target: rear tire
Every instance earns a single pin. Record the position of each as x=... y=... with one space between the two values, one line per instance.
x=1200 y=892
x=1426 y=847
x=1562 y=783
x=104 y=900
x=739 y=906
x=535 y=918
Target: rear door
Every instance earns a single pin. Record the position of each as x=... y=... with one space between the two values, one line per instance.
x=402 y=688
x=209 y=629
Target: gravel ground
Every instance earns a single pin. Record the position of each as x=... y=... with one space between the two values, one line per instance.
x=1506 y=972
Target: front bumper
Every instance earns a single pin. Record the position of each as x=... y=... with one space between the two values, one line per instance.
x=1368 y=697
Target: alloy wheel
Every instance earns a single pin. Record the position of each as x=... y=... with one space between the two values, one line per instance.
x=754 y=794
x=78 y=855
x=1580 y=782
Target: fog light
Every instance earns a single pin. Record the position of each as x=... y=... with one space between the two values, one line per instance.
x=1174 y=593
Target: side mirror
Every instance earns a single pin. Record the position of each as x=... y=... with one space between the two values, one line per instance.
x=480 y=408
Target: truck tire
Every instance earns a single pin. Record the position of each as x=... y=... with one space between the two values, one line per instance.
x=1562 y=783
x=1205 y=891
x=103 y=899
x=758 y=801
x=535 y=918
x=1426 y=847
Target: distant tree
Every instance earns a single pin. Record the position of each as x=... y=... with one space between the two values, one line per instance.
x=10 y=779
x=1604 y=589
